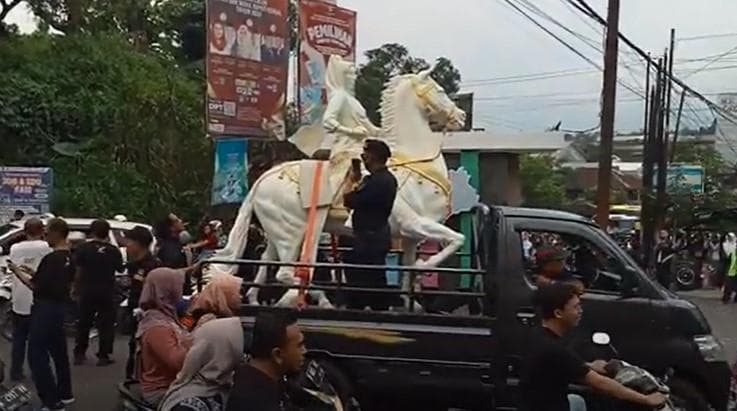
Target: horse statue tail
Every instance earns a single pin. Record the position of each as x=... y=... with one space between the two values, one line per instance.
x=238 y=237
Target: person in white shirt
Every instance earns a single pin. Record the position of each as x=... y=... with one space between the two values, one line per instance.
x=26 y=253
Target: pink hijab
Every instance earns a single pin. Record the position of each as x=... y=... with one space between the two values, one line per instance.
x=220 y=297
x=162 y=290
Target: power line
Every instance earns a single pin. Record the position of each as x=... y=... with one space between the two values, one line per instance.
x=707 y=36
x=712 y=61
x=527 y=77
x=566 y=44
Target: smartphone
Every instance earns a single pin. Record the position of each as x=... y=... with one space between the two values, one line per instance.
x=356 y=168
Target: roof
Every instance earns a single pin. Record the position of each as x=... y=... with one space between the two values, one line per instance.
x=585 y=178
x=542 y=213
x=486 y=141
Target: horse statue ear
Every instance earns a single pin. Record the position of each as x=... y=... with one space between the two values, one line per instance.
x=424 y=74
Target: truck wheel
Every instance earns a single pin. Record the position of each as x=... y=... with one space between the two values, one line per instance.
x=342 y=386
x=686 y=397
x=686 y=277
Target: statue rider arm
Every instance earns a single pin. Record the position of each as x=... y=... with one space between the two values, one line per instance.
x=331 y=119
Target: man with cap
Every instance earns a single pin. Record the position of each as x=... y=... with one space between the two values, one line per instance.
x=551 y=268
x=140 y=263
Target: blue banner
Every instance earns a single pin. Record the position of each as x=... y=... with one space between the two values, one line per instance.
x=25 y=188
x=229 y=183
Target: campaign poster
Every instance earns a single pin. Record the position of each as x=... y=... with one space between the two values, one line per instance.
x=247 y=66
x=25 y=188
x=325 y=29
x=230 y=184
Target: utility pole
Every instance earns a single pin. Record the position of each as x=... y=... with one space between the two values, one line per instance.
x=609 y=98
x=650 y=158
x=678 y=127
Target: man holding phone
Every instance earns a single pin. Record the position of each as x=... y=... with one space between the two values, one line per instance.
x=372 y=201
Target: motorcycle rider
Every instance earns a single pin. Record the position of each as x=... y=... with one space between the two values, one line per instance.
x=278 y=350
x=550 y=366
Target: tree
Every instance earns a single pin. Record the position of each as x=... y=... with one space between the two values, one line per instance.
x=123 y=130
x=390 y=60
x=543 y=183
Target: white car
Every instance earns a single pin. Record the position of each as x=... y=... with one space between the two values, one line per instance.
x=79 y=228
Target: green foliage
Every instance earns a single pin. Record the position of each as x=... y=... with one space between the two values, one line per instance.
x=122 y=129
x=390 y=60
x=543 y=183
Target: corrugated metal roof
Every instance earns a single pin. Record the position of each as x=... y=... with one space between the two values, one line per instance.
x=486 y=141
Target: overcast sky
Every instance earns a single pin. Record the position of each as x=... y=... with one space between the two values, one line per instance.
x=487 y=39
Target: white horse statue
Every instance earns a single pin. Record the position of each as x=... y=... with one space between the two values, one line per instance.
x=408 y=104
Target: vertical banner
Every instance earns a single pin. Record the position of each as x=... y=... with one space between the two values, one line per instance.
x=325 y=29
x=247 y=64
x=229 y=182
x=25 y=188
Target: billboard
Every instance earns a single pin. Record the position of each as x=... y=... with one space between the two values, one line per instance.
x=683 y=178
x=229 y=182
x=25 y=188
x=247 y=66
x=325 y=29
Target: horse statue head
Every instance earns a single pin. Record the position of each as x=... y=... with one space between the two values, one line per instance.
x=410 y=102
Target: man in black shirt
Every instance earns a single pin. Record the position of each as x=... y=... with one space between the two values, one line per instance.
x=550 y=366
x=372 y=202
x=97 y=262
x=277 y=351
x=141 y=262
x=50 y=284
x=170 y=249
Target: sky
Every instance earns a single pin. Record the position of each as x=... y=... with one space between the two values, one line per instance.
x=487 y=39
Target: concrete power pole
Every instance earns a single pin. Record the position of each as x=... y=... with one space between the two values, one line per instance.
x=609 y=100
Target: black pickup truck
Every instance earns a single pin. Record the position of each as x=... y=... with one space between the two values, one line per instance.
x=467 y=355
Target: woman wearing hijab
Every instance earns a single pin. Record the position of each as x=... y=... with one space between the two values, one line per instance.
x=207 y=374
x=163 y=342
x=221 y=298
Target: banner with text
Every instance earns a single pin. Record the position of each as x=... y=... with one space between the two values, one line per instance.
x=229 y=183
x=247 y=66
x=25 y=188
x=325 y=29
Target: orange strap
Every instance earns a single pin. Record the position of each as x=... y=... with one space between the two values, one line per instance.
x=308 y=246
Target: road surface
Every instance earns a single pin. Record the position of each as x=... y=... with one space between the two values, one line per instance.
x=95 y=388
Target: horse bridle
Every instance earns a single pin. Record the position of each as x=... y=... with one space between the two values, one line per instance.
x=424 y=92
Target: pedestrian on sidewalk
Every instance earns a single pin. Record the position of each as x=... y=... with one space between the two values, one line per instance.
x=141 y=262
x=730 y=280
x=97 y=261
x=50 y=284
x=26 y=253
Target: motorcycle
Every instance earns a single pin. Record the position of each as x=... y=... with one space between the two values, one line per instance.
x=309 y=391
x=633 y=377
x=17 y=398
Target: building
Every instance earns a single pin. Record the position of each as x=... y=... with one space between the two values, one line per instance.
x=499 y=159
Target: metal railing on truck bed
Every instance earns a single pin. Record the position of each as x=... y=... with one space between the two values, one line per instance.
x=413 y=293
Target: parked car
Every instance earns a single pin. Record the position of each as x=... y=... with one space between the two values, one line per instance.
x=465 y=348
x=79 y=228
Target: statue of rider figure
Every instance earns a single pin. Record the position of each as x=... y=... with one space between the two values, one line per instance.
x=345 y=121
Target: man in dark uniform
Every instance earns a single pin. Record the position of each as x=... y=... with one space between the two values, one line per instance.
x=141 y=262
x=97 y=262
x=372 y=203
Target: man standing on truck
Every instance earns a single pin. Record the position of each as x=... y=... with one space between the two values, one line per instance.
x=371 y=201
x=550 y=366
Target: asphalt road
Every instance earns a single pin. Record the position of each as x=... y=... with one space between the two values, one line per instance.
x=95 y=388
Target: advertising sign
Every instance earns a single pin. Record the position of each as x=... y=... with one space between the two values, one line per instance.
x=229 y=182
x=247 y=65
x=682 y=177
x=25 y=188
x=325 y=29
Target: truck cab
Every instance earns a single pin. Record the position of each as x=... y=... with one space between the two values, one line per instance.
x=464 y=348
